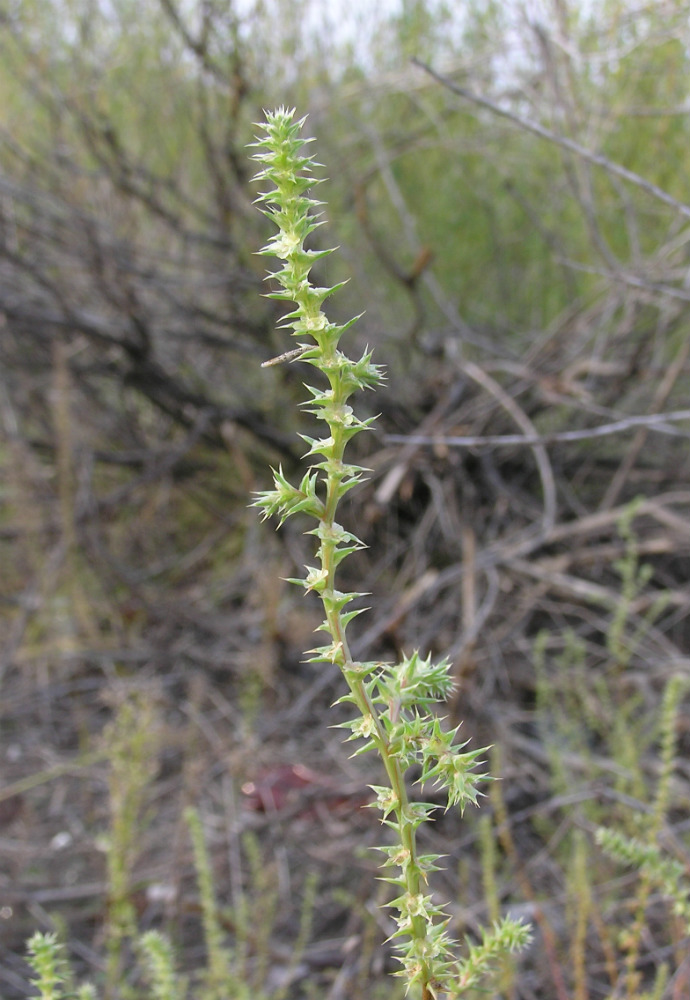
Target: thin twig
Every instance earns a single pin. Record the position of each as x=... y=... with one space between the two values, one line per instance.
x=490 y=385
x=653 y=421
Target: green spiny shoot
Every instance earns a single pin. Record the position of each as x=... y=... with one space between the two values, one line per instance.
x=391 y=702
x=218 y=958
x=46 y=958
x=645 y=853
x=158 y=958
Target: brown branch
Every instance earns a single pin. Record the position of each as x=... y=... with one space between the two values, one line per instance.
x=598 y=159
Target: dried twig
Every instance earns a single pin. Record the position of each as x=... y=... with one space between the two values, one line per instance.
x=653 y=421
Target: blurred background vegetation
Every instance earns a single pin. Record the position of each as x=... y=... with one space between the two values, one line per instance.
x=509 y=187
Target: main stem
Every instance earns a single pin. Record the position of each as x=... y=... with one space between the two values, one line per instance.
x=349 y=668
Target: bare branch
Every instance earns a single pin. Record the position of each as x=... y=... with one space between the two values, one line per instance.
x=545 y=133
x=654 y=421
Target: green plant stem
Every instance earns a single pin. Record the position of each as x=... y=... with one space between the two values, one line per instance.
x=352 y=674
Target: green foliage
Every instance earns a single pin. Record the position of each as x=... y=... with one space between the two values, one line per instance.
x=391 y=700
x=47 y=961
x=158 y=959
x=667 y=873
x=131 y=742
x=53 y=976
x=515 y=228
x=643 y=852
x=218 y=958
x=597 y=732
x=228 y=971
x=585 y=706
